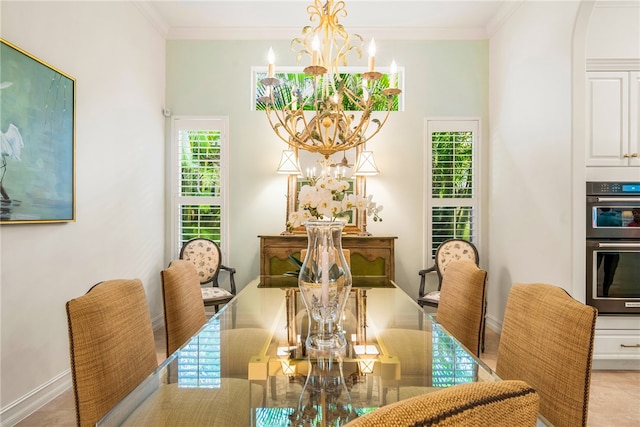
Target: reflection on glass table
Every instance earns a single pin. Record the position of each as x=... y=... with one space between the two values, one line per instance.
x=248 y=365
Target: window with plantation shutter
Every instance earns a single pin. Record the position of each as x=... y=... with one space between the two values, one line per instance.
x=452 y=177
x=200 y=180
x=199 y=360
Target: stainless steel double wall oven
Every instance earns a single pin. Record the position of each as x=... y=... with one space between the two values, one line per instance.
x=613 y=247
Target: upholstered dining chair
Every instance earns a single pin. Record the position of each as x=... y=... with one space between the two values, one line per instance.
x=547 y=341
x=448 y=251
x=111 y=346
x=463 y=303
x=205 y=254
x=495 y=404
x=184 y=312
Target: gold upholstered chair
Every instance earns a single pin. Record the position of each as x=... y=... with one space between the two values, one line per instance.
x=205 y=254
x=463 y=302
x=495 y=404
x=111 y=346
x=184 y=312
x=547 y=341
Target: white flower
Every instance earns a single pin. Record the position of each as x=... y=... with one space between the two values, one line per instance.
x=326 y=198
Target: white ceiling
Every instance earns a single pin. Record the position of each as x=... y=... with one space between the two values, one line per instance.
x=383 y=19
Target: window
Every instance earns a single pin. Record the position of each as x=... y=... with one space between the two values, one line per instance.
x=451 y=364
x=452 y=176
x=199 y=359
x=294 y=81
x=200 y=180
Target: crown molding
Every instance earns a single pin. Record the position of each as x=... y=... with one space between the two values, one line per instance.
x=504 y=13
x=616 y=3
x=287 y=33
x=152 y=15
x=613 y=64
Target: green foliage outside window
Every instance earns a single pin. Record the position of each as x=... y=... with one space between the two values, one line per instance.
x=200 y=176
x=302 y=86
x=452 y=178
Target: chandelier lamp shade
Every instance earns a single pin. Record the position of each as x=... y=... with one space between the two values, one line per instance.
x=289 y=163
x=333 y=111
x=366 y=165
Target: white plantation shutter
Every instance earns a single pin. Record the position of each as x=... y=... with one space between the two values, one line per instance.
x=199 y=361
x=452 y=177
x=200 y=179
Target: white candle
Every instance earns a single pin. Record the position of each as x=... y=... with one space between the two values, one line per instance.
x=294 y=104
x=315 y=50
x=325 y=278
x=372 y=55
x=393 y=75
x=272 y=59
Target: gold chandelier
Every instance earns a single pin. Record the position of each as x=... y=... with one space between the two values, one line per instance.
x=314 y=118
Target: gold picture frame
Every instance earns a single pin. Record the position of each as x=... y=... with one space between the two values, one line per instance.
x=346 y=161
x=37 y=125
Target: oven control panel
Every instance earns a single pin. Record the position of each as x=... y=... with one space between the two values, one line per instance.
x=613 y=188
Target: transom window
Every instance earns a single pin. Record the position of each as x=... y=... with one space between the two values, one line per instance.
x=297 y=83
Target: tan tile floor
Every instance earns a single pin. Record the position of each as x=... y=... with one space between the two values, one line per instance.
x=614 y=400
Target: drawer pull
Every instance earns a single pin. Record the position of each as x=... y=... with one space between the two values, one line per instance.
x=630 y=346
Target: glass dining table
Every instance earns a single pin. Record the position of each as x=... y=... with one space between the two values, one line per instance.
x=249 y=366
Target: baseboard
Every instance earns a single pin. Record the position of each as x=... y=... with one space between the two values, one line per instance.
x=34 y=400
x=31 y=402
x=157 y=322
x=620 y=364
x=493 y=323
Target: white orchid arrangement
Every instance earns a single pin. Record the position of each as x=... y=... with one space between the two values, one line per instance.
x=326 y=198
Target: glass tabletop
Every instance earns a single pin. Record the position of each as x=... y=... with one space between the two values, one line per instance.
x=249 y=365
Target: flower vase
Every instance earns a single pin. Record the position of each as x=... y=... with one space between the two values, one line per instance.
x=325 y=398
x=325 y=284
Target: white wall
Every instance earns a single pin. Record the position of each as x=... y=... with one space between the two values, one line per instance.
x=530 y=205
x=118 y=60
x=619 y=41
x=443 y=79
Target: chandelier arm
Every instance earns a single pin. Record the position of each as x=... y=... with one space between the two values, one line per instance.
x=276 y=127
x=305 y=126
x=379 y=123
x=356 y=99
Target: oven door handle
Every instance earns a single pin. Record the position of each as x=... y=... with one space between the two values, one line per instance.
x=617 y=245
x=618 y=199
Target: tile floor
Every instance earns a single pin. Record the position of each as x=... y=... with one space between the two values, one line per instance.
x=614 y=397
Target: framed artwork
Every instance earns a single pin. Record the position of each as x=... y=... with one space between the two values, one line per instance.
x=37 y=140
x=343 y=163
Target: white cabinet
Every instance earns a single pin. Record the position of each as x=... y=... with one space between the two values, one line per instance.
x=617 y=343
x=612 y=118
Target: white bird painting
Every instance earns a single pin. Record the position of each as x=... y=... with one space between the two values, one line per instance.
x=11 y=144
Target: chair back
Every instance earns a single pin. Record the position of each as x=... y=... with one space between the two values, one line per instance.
x=495 y=404
x=205 y=254
x=462 y=303
x=547 y=341
x=111 y=346
x=454 y=250
x=184 y=312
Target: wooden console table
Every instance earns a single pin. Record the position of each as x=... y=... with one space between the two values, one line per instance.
x=370 y=255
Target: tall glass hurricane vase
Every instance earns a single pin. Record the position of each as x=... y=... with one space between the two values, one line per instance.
x=325 y=284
